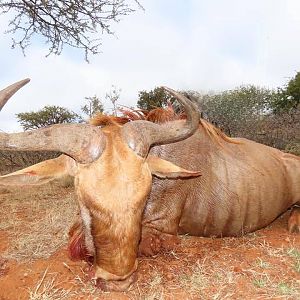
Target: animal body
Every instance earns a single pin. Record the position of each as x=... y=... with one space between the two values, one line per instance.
x=244 y=186
x=204 y=184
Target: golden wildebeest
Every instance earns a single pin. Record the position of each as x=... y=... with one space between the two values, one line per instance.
x=125 y=211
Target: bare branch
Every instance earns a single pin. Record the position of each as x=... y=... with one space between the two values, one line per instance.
x=76 y=23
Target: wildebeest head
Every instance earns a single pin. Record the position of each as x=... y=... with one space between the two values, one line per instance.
x=113 y=175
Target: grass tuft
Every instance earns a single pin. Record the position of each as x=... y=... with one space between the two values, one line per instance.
x=197 y=280
x=285 y=289
x=262 y=264
x=260 y=282
x=48 y=289
x=293 y=252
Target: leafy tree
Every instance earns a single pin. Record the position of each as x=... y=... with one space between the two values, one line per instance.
x=248 y=111
x=293 y=89
x=236 y=110
x=288 y=97
x=49 y=115
x=93 y=106
x=153 y=99
x=75 y=23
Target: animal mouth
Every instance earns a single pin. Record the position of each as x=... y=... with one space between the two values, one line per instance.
x=104 y=280
x=111 y=282
x=117 y=285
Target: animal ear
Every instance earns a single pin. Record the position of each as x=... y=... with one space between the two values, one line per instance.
x=165 y=169
x=41 y=173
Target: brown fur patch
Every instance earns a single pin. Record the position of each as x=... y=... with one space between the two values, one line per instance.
x=105 y=120
x=161 y=115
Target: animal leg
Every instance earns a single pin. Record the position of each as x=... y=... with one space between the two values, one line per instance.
x=294 y=220
x=153 y=242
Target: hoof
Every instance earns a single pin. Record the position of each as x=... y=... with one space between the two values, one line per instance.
x=169 y=242
x=150 y=245
x=294 y=221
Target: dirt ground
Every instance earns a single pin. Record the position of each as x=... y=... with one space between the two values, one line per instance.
x=34 y=263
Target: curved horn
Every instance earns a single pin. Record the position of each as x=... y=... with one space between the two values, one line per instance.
x=83 y=142
x=140 y=135
x=6 y=93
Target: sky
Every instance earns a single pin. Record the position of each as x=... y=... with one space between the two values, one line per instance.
x=184 y=44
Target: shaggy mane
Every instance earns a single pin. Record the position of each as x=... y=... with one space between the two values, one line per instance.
x=160 y=116
x=106 y=120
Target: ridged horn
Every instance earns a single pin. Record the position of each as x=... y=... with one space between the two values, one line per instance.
x=140 y=135
x=83 y=142
x=6 y=93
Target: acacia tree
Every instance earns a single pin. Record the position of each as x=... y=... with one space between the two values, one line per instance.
x=154 y=98
x=94 y=105
x=235 y=111
x=75 y=23
x=47 y=116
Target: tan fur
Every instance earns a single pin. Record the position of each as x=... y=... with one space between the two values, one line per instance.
x=115 y=201
x=244 y=186
x=42 y=172
x=216 y=133
x=164 y=169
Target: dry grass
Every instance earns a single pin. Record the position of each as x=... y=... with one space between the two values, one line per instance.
x=210 y=283
x=83 y=287
x=48 y=289
x=153 y=290
x=248 y=267
x=251 y=267
x=38 y=221
x=197 y=280
x=219 y=283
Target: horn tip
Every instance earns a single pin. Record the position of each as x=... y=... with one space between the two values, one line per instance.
x=26 y=80
x=168 y=89
x=165 y=87
x=21 y=83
